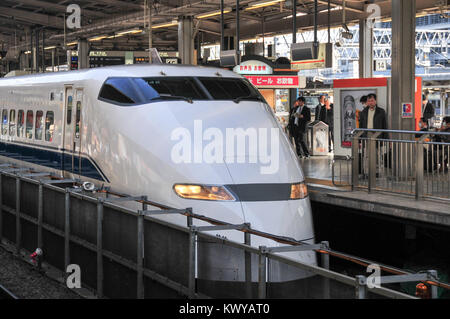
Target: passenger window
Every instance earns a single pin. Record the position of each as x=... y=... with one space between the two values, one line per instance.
x=12 y=122
x=4 y=122
x=49 y=126
x=69 y=109
x=39 y=125
x=77 y=120
x=29 y=125
x=20 y=122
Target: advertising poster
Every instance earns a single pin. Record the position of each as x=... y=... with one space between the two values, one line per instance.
x=350 y=109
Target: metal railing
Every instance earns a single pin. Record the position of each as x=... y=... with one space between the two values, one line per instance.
x=413 y=163
x=50 y=209
x=341 y=171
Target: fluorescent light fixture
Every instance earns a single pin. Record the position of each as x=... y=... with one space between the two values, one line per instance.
x=261 y=4
x=133 y=31
x=50 y=48
x=71 y=43
x=27 y=52
x=212 y=14
x=163 y=25
x=98 y=38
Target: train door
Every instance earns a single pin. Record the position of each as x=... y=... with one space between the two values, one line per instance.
x=72 y=130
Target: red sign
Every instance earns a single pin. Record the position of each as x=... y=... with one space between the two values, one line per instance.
x=274 y=81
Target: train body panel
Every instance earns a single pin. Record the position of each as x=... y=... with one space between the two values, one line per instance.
x=145 y=149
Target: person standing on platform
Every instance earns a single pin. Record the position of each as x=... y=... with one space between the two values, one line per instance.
x=428 y=110
x=329 y=120
x=363 y=101
x=320 y=114
x=299 y=117
x=373 y=116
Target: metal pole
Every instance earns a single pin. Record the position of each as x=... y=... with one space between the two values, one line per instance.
x=329 y=21
x=192 y=261
x=222 y=27
x=419 y=168
x=1 y=208
x=262 y=273
x=355 y=158
x=100 y=248
x=150 y=31
x=237 y=33
x=294 y=21
x=43 y=51
x=40 y=221
x=67 y=229
x=361 y=288
x=248 y=265
x=18 y=224
x=316 y=44
x=434 y=289
x=325 y=258
x=372 y=154
x=140 y=259
x=189 y=217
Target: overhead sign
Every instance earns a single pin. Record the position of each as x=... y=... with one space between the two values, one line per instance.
x=253 y=67
x=277 y=81
x=324 y=59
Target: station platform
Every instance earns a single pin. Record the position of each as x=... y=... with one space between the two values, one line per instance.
x=318 y=173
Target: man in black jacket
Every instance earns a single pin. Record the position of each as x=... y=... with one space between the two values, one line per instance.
x=299 y=116
x=373 y=116
x=428 y=111
x=320 y=113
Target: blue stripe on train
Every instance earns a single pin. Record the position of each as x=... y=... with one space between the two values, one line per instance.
x=50 y=158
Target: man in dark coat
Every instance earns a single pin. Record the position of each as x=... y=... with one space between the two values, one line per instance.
x=299 y=116
x=320 y=113
x=373 y=116
x=428 y=111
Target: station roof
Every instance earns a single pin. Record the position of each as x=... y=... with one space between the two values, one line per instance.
x=102 y=21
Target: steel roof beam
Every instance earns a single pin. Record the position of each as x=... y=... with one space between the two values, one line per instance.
x=36 y=18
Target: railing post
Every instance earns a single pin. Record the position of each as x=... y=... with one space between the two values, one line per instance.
x=361 y=287
x=189 y=217
x=192 y=261
x=18 y=224
x=419 y=167
x=434 y=289
x=372 y=154
x=248 y=265
x=140 y=255
x=67 y=229
x=355 y=158
x=262 y=273
x=1 y=208
x=100 y=247
x=325 y=259
x=40 y=243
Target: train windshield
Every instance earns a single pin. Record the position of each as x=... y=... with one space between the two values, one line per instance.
x=133 y=91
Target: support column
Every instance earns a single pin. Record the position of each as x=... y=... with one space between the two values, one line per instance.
x=186 y=40
x=83 y=54
x=403 y=62
x=365 y=50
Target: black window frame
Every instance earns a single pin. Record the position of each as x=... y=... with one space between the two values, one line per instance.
x=196 y=79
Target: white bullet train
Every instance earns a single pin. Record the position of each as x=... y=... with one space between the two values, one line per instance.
x=166 y=131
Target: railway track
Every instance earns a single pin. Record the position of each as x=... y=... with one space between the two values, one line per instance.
x=6 y=294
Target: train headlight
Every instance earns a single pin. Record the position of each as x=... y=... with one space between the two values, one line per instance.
x=299 y=191
x=204 y=192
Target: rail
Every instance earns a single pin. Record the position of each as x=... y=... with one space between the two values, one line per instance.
x=412 y=163
x=6 y=294
x=96 y=243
